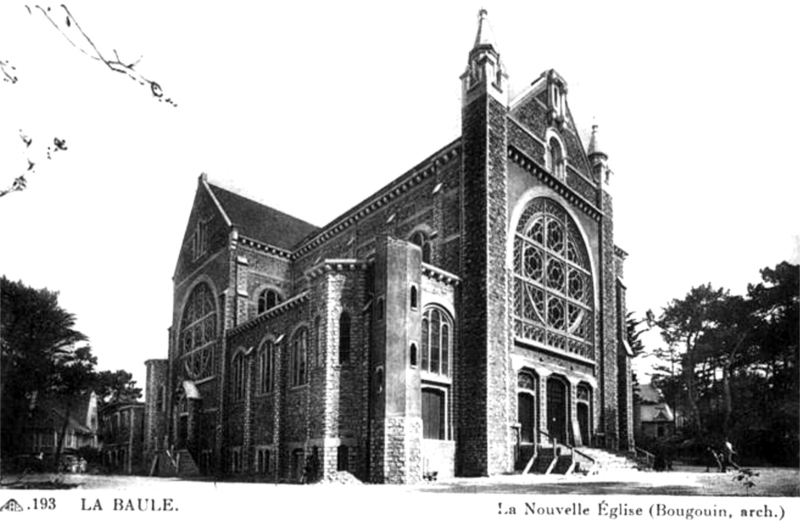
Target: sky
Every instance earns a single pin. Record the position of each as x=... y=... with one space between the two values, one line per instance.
x=309 y=107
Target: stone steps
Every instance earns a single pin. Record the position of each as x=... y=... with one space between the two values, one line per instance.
x=605 y=460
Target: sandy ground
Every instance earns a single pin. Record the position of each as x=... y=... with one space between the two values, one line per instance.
x=690 y=482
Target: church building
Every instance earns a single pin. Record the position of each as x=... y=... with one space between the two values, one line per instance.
x=460 y=320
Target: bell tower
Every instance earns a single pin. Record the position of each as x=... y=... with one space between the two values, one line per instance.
x=483 y=445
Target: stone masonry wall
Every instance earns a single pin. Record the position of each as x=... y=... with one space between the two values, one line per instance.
x=483 y=443
x=609 y=330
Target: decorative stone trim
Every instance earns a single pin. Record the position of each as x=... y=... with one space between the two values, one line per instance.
x=525 y=162
x=271 y=313
x=337 y=265
x=519 y=362
x=268 y=248
x=527 y=343
x=437 y=274
x=619 y=252
x=403 y=184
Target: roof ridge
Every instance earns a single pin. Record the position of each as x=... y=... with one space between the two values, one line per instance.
x=243 y=195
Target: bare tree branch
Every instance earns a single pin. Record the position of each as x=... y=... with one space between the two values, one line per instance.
x=89 y=49
x=21 y=182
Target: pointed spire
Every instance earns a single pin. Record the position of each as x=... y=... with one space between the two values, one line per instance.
x=485 y=36
x=484 y=67
x=594 y=143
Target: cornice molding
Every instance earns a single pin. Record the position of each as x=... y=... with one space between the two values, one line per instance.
x=335 y=265
x=437 y=274
x=272 y=313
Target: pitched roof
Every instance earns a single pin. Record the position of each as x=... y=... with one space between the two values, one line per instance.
x=649 y=393
x=656 y=413
x=260 y=222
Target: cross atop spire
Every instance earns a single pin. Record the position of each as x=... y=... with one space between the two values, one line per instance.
x=485 y=36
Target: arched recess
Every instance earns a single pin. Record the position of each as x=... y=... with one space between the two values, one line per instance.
x=527 y=416
x=265 y=360
x=555 y=154
x=421 y=236
x=298 y=355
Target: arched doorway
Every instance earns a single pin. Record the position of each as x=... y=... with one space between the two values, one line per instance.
x=557 y=409
x=584 y=408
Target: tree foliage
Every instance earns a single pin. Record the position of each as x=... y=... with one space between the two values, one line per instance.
x=731 y=361
x=44 y=356
x=115 y=386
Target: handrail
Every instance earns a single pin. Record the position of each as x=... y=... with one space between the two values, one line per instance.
x=171 y=459
x=584 y=454
x=573 y=452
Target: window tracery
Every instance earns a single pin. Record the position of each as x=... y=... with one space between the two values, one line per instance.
x=553 y=291
x=198 y=332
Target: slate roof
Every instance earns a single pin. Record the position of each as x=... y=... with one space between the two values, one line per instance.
x=260 y=222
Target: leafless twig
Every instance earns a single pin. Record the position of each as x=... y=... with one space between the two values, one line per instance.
x=21 y=182
x=81 y=41
x=7 y=70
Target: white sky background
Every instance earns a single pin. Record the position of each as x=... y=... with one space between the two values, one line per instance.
x=310 y=107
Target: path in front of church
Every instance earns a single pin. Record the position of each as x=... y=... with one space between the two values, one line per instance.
x=687 y=482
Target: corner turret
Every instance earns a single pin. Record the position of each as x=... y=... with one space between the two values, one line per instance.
x=485 y=73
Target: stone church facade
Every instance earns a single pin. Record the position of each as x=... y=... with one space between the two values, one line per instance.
x=471 y=310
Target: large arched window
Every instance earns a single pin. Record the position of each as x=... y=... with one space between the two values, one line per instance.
x=268 y=299
x=198 y=335
x=299 y=356
x=553 y=292
x=437 y=330
x=266 y=367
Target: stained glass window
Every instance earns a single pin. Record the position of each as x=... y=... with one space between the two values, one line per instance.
x=198 y=332
x=553 y=291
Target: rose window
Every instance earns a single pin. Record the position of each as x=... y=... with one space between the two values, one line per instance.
x=553 y=286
